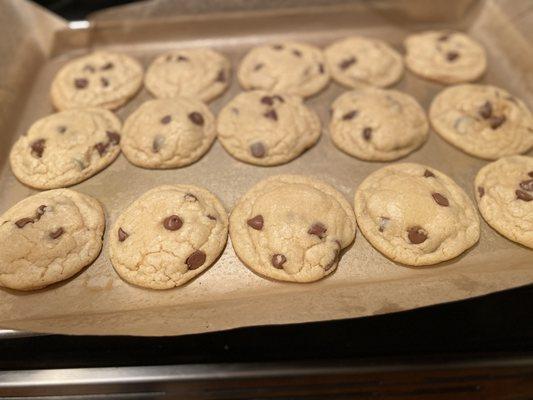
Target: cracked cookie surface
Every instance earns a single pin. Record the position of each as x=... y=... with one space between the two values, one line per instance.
x=358 y=62
x=168 y=133
x=292 y=228
x=66 y=148
x=265 y=128
x=504 y=193
x=100 y=79
x=415 y=214
x=199 y=73
x=377 y=124
x=168 y=236
x=482 y=120
x=288 y=67
x=445 y=56
x=49 y=237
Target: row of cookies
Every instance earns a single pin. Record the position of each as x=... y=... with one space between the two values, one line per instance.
x=413 y=214
x=109 y=80
x=264 y=128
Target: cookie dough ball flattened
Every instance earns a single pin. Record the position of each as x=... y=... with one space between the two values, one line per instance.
x=504 y=192
x=197 y=73
x=482 y=120
x=292 y=228
x=358 y=62
x=446 y=57
x=100 y=79
x=49 y=237
x=264 y=128
x=168 y=236
x=289 y=67
x=415 y=215
x=168 y=133
x=66 y=148
x=377 y=124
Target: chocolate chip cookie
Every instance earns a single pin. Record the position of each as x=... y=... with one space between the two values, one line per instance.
x=49 y=237
x=415 y=215
x=358 y=62
x=100 y=79
x=168 y=133
x=266 y=128
x=199 y=73
x=445 y=56
x=292 y=228
x=288 y=67
x=66 y=148
x=168 y=236
x=482 y=120
x=377 y=124
x=504 y=193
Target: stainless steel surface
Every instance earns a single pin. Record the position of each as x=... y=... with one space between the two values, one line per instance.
x=11 y=334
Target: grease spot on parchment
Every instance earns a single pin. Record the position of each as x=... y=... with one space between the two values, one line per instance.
x=99 y=282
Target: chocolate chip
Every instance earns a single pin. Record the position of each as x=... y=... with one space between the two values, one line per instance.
x=21 y=223
x=88 y=68
x=40 y=211
x=443 y=38
x=182 y=58
x=318 y=229
x=428 y=174
x=367 y=133
x=277 y=47
x=104 y=82
x=481 y=191
x=157 y=143
x=530 y=173
x=267 y=100
x=57 y=233
x=221 y=77
x=486 y=110
x=37 y=147
x=279 y=98
x=172 y=223
x=350 y=115
x=297 y=53
x=440 y=199
x=101 y=148
x=113 y=137
x=452 y=55
x=258 y=66
x=81 y=83
x=258 y=150
x=321 y=68
x=496 y=122
x=190 y=197
x=383 y=222
x=521 y=195
x=166 y=119
x=196 y=259
x=272 y=114
x=61 y=129
x=416 y=235
x=347 y=63
x=256 y=222
x=196 y=118
x=107 y=66
x=122 y=235
x=211 y=217
x=527 y=185
x=278 y=260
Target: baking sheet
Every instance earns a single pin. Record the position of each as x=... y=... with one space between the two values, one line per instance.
x=228 y=295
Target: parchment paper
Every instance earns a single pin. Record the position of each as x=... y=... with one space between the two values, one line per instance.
x=97 y=301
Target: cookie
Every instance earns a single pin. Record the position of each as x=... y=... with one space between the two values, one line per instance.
x=199 y=73
x=292 y=228
x=168 y=133
x=358 y=62
x=415 y=215
x=377 y=124
x=444 y=56
x=482 y=120
x=504 y=193
x=168 y=236
x=265 y=128
x=289 y=67
x=49 y=237
x=66 y=148
x=100 y=79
